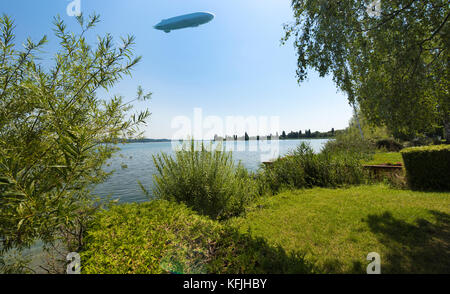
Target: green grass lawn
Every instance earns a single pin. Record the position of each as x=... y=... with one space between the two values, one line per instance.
x=337 y=228
x=386 y=157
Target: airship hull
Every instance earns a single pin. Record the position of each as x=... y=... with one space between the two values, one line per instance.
x=184 y=21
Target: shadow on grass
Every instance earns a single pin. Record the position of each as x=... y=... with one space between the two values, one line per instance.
x=337 y=266
x=420 y=248
x=244 y=254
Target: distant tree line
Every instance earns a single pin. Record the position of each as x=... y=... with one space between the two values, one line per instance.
x=307 y=134
x=145 y=140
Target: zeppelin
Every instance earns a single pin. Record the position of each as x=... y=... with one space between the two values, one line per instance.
x=184 y=21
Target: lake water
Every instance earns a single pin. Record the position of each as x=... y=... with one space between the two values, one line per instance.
x=135 y=163
x=123 y=184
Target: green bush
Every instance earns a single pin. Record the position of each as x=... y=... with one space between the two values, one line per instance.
x=302 y=168
x=165 y=237
x=284 y=173
x=56 y=130
x=428 y=168
x=389 y=145
x=207 y=181
x=350 y=141
x=350 y=146
x=149 y=238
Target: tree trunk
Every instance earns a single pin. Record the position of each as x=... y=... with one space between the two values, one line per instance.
x=357 y=121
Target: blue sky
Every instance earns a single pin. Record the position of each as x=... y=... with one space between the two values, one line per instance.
x=233 y=66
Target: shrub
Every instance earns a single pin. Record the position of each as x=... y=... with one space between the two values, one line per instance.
x=302 y=168
x=207 y=181
x=283 y=173
x=55 y=130
x=389 y=145
x=428 y=168
x=149 y=238
x=355 y=147
x=420 y=141
x=350 y=141
x=165 y=237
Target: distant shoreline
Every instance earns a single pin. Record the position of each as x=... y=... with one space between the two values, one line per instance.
x=212 y=140
x=148 y=141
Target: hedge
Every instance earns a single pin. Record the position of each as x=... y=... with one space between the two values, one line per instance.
x=428 y=168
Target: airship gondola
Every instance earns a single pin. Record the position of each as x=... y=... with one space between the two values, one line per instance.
x=184 y=21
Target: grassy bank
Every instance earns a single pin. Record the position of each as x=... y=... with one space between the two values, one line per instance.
x=301 y=231
x=161 y=237
x=305 y=213
x=385 y=158
x=337 y=228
